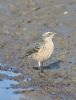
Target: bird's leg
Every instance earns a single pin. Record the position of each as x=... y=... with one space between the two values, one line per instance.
x=39 y=63
x=41 y=66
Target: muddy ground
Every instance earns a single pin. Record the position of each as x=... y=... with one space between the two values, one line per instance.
x=22 y=22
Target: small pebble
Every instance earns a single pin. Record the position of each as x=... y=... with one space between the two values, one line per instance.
x=66 y=12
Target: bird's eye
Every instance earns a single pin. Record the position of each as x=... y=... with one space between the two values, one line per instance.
x=49 y=33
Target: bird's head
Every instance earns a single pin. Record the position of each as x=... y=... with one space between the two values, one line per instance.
x=48 y=35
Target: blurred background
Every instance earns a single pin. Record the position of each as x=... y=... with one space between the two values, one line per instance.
x=22 y=23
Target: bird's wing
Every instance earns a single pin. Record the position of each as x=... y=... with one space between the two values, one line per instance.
x=32 y=50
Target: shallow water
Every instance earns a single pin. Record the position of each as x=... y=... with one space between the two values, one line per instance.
x=6 y=92
x=8 y=88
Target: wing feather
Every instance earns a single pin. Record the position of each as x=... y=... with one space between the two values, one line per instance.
x=31 y=51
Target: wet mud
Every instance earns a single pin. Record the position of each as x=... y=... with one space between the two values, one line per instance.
x=22 y=22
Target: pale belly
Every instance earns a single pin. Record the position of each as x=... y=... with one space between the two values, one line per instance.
x=43 y=54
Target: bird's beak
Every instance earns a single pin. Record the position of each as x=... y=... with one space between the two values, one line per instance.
x=55 y=34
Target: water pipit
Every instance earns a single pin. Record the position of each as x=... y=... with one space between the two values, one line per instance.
x=44 y=50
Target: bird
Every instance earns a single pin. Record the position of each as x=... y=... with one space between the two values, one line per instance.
x=44 y=50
